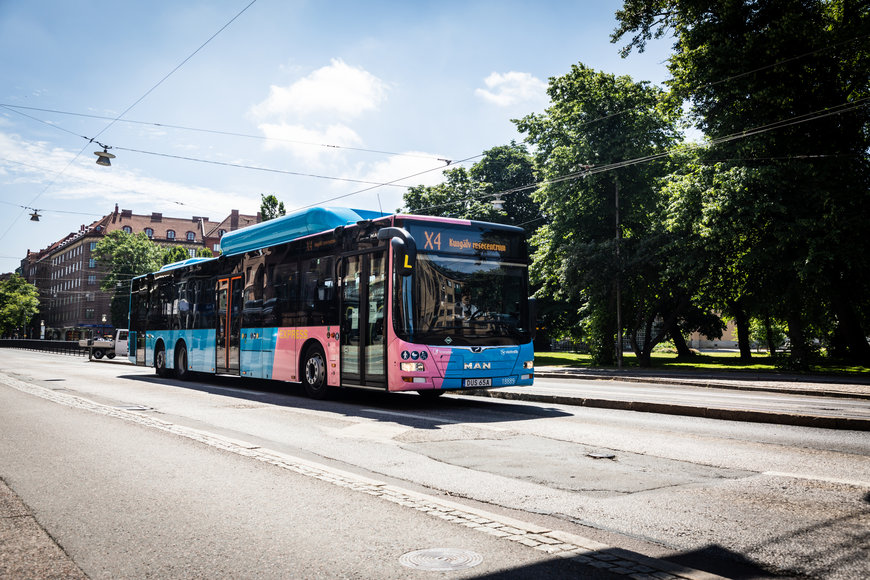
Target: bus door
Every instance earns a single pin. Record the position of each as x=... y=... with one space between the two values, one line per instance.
x=139 y=318
x=229 y=325
x=363 y=316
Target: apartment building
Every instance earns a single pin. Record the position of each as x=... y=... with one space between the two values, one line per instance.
x=68 y=277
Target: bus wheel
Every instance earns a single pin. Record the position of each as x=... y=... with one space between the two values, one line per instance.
x=98 y=353
x=160 y=362
x=181 y=371
x=314 y=372
x=430 y=393
x=110 y=355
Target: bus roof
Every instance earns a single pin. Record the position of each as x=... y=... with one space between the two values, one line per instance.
x=183 y=263
x=293 y=226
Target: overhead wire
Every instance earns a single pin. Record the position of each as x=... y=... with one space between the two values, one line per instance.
x=242 y=166
x=15 y=108
x=594 y=170
x=139 y=100
x=448 y=162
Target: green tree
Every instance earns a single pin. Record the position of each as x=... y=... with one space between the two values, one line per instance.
x=595 y=124
x=125 y=256
x=270 y=207
x=505 y=172
x=180 y=253
x=174 y=254
x=19 y=301
x=713 y=218
x=780 y=90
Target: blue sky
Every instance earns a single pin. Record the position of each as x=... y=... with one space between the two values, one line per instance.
x=298 y=89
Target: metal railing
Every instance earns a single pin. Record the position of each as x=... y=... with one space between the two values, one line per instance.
x=70 y=347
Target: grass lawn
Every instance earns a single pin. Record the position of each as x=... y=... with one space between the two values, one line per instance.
x=723 y=361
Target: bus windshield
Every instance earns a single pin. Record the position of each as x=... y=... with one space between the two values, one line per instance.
x=458 y=300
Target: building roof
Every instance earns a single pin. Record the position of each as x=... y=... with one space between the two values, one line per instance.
x=203 y=229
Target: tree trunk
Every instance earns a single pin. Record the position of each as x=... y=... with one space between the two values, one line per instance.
x=741 y=320
x=849 y=329
x=683 y=350
x=800 y=349
x=768 y=330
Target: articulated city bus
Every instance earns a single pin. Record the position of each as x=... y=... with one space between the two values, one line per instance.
x=336 y=297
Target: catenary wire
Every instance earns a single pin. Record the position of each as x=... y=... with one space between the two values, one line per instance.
x=139 y=100
x=14 y=108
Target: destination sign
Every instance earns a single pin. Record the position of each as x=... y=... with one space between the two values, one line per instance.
x=477 y=241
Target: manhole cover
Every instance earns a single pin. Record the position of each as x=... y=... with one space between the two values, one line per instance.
x=441 y=559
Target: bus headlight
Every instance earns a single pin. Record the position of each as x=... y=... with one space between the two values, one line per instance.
x=412 y=367
x=529 y=364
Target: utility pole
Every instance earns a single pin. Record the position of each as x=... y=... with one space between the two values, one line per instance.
x=618 y=288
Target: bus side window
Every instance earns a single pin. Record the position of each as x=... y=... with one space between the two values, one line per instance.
x=284 y=283
x=253 y=310
x=318 y=292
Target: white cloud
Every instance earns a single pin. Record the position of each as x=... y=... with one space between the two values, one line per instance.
x=512 y=88
x=309 y=143
x=335 y=90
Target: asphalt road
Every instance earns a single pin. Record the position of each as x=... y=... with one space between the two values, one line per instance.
x=127 y=501
x=739 y=499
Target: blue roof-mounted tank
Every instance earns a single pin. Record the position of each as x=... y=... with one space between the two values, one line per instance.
x=183 y=263
x=290 y=227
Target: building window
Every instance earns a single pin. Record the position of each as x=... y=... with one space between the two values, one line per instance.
x=191 y=252
x=170 y=234
x=92 y=263
x=221 y=233
x=93 y=246
x=149 y=232
x=89 y=313
x=216 y=247
x=191 y=237
x=127 y=230
x=92 y=279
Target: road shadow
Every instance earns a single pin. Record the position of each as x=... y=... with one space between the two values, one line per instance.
x=408 y=408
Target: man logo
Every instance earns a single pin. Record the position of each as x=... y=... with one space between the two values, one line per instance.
x=472 y=366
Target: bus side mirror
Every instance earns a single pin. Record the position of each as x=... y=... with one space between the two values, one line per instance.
x=533 y=316
x=404 y=246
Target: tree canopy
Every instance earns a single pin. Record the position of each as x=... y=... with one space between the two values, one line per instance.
x=780 y=89
x=587 y=253
x=270 y=207
x=125 y=256
x=504 y=173
x=19 y=301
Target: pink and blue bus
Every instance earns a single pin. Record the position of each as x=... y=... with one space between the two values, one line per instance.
x=334 y=297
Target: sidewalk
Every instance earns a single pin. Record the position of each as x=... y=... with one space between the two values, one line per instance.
x=836 y=388
x=26 y=550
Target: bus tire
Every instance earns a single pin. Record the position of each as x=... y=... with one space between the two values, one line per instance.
x=313 y=372
x=110 y=355
x=181 y=371
x=160 y=361
x=430 y=393
x=98 y=353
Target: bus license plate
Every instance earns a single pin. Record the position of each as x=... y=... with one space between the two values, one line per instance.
x=478 y=382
